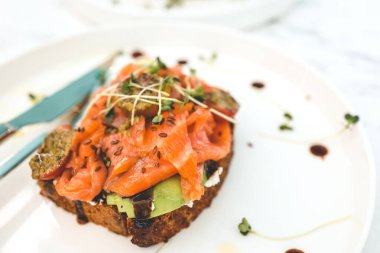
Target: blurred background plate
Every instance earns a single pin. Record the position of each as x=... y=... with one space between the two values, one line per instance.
x=234 y=13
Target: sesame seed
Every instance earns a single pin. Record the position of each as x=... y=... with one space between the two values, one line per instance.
x=154 y=151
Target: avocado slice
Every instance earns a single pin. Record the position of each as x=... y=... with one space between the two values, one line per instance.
x=167 y=196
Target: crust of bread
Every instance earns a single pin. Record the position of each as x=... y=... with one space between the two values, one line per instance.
x=144 y=232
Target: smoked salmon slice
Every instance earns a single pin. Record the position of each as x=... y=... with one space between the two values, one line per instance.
x=108 y=156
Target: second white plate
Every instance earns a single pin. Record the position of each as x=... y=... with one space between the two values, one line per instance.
x=232 y=13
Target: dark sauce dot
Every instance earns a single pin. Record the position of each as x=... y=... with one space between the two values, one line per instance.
x=210 y=166
x=182 y=62
x=142 y=224
x=294 y=251
x=250 y=144
x=319 y=150
x=258 y=85
x=81 y=216
x=137 y=54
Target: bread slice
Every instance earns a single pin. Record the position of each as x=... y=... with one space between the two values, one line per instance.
x=144 y=232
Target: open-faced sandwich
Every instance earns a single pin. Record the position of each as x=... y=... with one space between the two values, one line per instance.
x=149 y=154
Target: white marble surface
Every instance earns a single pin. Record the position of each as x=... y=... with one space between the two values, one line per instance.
x=341 y=38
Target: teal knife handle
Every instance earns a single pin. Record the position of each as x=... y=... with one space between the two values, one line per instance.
x=20 y=156
x=6 y=130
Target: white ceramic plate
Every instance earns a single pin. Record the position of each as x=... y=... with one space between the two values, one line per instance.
x=277 y=184
x=233 y=13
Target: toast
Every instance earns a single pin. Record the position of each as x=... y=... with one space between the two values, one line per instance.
x=144 y=233
x=149 y=154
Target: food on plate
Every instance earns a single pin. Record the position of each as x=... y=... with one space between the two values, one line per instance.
x=149 y=154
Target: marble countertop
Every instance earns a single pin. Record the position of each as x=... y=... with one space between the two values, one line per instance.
x=340 y=38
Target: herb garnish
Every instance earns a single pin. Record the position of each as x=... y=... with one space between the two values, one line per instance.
x=244 y=227
x=197 y=93
x=126 y=86
x=211 y=59
x=34 y=98
x=351 y=119
x=204 y=177
x=193 y=71
x=156 y=66
x=167 y=105
x=159 y=94
x=173 y=3
x=285 y=126
x=157 y=120
x=288 y=116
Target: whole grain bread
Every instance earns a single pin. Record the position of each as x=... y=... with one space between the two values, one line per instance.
x=144 y=232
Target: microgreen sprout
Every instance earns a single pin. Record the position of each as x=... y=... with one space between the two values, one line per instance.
x=159 y=96
x=193 y=71
x=126 y=85
x=197 y=93
x=176 y=79
x=167 y=105
x=245 y=229
x=156 y=66
x=157 y=120
x=351 y=119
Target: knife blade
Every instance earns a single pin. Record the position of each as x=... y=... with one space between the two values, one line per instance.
x=58 y=103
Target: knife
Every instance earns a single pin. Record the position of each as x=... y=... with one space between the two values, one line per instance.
x=58 y=103
x=14 y=160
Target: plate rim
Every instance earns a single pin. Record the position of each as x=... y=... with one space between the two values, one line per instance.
x=237 y=35
x=236 y=16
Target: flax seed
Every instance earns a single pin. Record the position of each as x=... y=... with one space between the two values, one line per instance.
x=163 y=135
x=118 y=151
x=114 y=142
x=154 y=151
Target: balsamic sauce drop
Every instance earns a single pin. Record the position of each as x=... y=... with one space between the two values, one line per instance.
x=210 y=167
x=142 y=204
x=319 y=150
x=137 y=54
x=258 y=85
x=182 y=62
x=294 y=251
x=81 y=216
